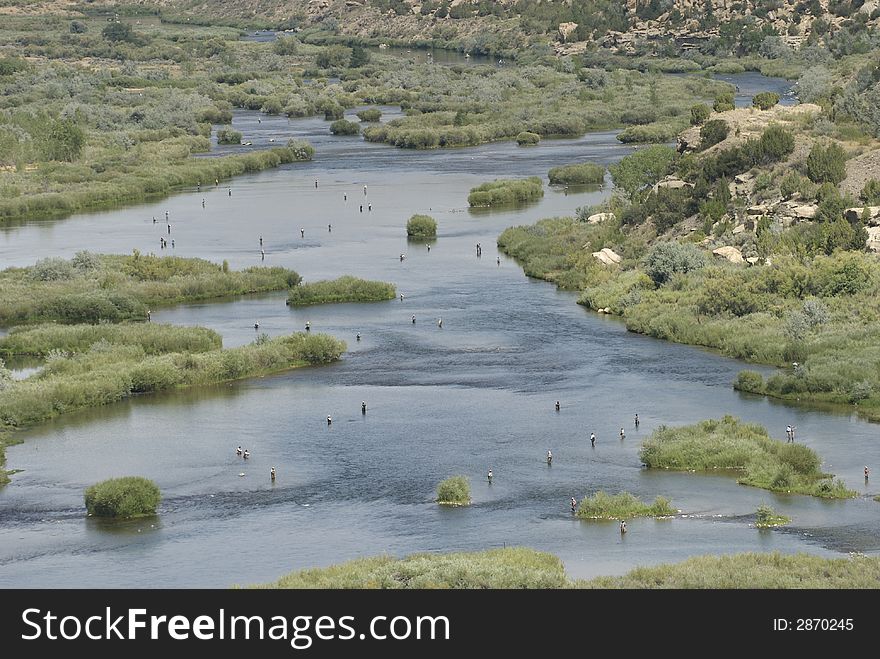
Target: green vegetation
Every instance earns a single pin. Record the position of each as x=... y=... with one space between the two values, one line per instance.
x=154 y=338
x=579 y=173
x=371 y=115
x=826 y=163
x=622 y=506
x=767 y=518
x=642 y=169
x=729 y=444
x=712 y=132
x=525 y=138
x=765 y=100
x=514 y=567
x=344 y=289
x=227 y=135
x=699 y=113
x=110 y=372
x=345 y=127
x=502 y=192
x=421 y=226
x=127 y=497
x=454 y=491
x=92 y=287
x=751 y=570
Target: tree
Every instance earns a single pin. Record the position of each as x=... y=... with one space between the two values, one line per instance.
x=765 y=100
x=776 y=143
x=642 y=169
x=713 y=132
x=118 y=32
x=826 y=163
x=359 y=57
x=64 y=141
x=699 y=114
x=723 y=102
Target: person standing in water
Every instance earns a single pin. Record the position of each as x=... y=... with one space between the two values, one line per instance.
x=262 y=254
x=308 y=326
x=246 y=454
x=229 y=190
x=573 y=504
x=149 y=316
x=363 y=407
x=414 y=319
x=316 y=184
x=329 y=228
x=169 y=229
x=637 y=420
x=358 y=336
x=302 y=232
x=549 y=458
x=172 y=243
x=401 y=297
x=344 y=196
x=370 y=207
x=622 y=434
x=238 y=451
x=489 y=476
x=592 y=439
x=329 y=420
x=622 y=527
x=365 y=190
x=256 y=326
x=557 y=405
x=866 y=474
x=261 y=240
x=362 y=208
x=203 y=203
x=272 y=474
x=440 y=322
x=498 y=260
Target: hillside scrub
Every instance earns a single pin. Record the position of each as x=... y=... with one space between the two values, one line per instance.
x=604 y=506
x=108 y=373
x=421 y=226
x=580 y=173
x=731 y=445
x=344 y=289
x=93 y=287
x=123 y=498
x=502 y=192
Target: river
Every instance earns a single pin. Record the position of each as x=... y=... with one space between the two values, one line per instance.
x=476 y=394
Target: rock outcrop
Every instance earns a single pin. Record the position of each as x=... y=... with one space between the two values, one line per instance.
x=730 y=253
x=608 y=256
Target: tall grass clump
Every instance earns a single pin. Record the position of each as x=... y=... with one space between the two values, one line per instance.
x=454 y=491
x=506 y=191
x=130 y=496
x=526 y=138
x=511 y=567
x=421 y=226
x=579 y=173
x=622 y=506
x=345 y=127
x=767 y=518
x=344 y=289
x=370 y=115
x=729 y=444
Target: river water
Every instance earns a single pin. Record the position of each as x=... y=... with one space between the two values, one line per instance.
x=477 y=394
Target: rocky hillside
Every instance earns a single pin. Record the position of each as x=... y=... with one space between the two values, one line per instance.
x=627 y=27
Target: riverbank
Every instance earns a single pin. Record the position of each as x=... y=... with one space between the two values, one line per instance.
x=520 y=567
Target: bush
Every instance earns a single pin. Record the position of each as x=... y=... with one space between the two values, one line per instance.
x=130 y=496
x=642 y=169
x=421 y=226
x=227 y=135
x=699 y=114
x=506 y=191
x=582 y=173
x=345 y=127
x=723 y=102
x=359 y=57
x=526 y=138
x=667 y=258
x=78 y=27
x=344 y=289
x=826 y=163
x=750 y=381
x=766 y=517
x=776 y=143
x=871 y=192
x=454 y=491
x=713 y=132
x=332 y=57
x=286 y=46
x=370 y=115
x=118 y=32
x=765 y=100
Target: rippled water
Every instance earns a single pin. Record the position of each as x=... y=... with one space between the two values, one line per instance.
x=476 y=394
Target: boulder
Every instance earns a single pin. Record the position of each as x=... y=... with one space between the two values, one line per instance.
x=730 y=253
x=739 y=228
x=607 y=256
x=753 y=260
x=566 y=30
x=600 y=217
x=673 y=183
x=873 y=241
x=856 y=214
x=805 y=212
x=760 y=209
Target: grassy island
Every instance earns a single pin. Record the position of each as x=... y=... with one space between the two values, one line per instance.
x=502 y=192
x=746 y=449
x=454 y=491
x=577 y=174
x=106 y=287
x=605 y=506
x=344 y=289
x=127 y=497
x=421 y=226
x=767 y=518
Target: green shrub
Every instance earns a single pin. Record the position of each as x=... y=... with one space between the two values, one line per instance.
x=775 y=143
x=723 y=102
x=525 y=138
x=750 y=381
x=370 y=115
x=765 y=100
x=227 y=135
x=699 y=114
x=870 y=194
x=344 y=289
x=421 y=226
x=130 y=496
x=285 y=46
x=454 y=491
x=713 y=132
x=826 y=163
x=506 y=191
x=667 y=258
x=345 y=127
x=642 y=169
x=579 y=173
